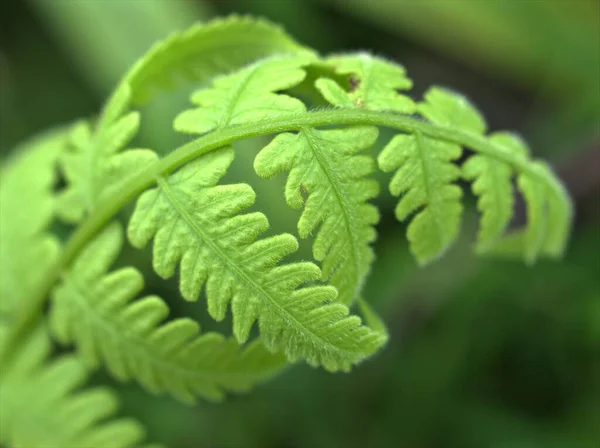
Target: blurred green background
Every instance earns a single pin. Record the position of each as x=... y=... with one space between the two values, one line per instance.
x=483 y=353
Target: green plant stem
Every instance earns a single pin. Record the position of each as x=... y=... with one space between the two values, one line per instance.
x=110 y=206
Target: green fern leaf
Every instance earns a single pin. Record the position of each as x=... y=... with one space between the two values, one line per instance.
x=42 y=405
x=374 y=84
x=206 y=50
x=26 y=210
x=549 y=209
x=94 y=169
x=446 y=108
x=559 y=212
x=548 y=213
x=424 y=176
x=325 y=166
x=93 y=309
x=197 y=224
x=493 y=184
x=246 y=96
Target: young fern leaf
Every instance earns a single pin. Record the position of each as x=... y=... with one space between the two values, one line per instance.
x=325 y=165
x=549 y=209
x=26 y=210
x=94 y=309
x=207 y=50
x=424 y=176
x=204 y=228
x=246 y=96
x=199 y=53
x=42 y=405
x=374 y=84
x=197 y=224
x=94 y=168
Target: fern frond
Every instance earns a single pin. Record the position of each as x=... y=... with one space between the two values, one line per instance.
x=374 y=84
x=197 y=224
x=206 y=231
x=325 y=166
x=26 y=210
x=42 y=404
x=94 y=309
x=246 y=96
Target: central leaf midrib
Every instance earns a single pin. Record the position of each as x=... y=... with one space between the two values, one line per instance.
x=235 y=268
x=431 y=200
x=340 y=195
x=236 y=93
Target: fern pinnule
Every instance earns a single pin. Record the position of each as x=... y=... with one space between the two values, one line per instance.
x=326 y=166
x=93 y=166
x=207 y=50
x=42 y=404
x=27 y=208
x=246 y=96
x=253 y=76
x=549 y=210
x=197 y=224
x=95 y=310
x=424 y=177
x=492 y=183
x=375 y=84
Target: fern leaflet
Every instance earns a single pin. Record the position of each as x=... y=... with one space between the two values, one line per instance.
x=374 y=84
x=41 y=404
x=424 y=175
x=27 y=208
x=197 y=224
x=207 y=50
x=549 y=210
x=246 y=96
x=94 y=310
x=93 y=167
x=325 y=165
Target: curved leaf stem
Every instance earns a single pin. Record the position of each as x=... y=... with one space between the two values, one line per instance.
x=110 y=206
